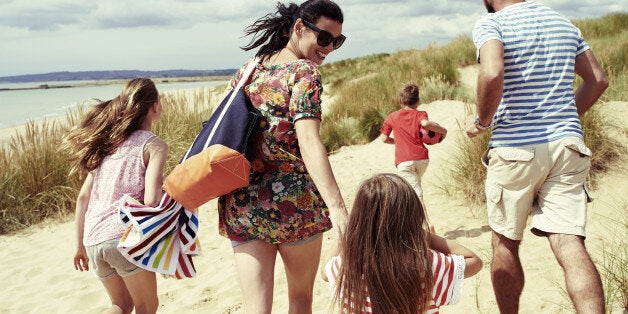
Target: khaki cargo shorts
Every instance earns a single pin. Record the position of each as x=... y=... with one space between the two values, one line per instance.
x=413 y=171
x=546 y=180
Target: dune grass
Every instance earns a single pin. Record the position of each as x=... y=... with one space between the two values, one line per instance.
x=613 y=266
x=34 y=175
x=608 y=37
x=35 y=179
x=366 y=88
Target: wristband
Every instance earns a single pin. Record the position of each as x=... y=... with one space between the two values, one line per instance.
x=479 y=125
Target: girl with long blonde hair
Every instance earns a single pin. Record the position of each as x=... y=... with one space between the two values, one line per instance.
x=114 y=145
x=387 y=261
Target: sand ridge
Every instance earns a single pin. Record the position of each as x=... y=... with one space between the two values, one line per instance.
x=38 y=275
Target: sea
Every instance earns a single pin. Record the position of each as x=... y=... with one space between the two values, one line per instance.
x=18 y=105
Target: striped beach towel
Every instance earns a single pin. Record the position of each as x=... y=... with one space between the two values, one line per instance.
x=161 y=239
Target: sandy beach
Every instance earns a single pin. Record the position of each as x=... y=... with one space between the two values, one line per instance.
x=38 y=275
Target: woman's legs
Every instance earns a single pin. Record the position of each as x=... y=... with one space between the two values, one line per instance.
x=301 y=265
x=255 y=262
x=143 y=289
x=121 y=301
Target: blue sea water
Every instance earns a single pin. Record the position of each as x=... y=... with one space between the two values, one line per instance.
x=19 y=106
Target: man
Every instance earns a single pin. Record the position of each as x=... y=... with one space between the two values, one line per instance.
x=537 y=161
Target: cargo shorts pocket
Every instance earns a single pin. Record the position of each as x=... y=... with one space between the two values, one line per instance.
x=493 y=198
x=509 y=167
x=577 y=146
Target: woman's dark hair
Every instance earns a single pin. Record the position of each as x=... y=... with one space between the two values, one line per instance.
x=272 y=31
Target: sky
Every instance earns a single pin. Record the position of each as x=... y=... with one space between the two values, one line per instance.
x=42 y=36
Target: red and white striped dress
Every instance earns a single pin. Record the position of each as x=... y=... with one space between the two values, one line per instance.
x=447 y=272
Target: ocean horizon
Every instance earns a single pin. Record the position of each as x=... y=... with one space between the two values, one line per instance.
x=25 y=102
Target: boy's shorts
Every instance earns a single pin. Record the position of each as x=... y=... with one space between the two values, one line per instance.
x=108 y=261
x=547 y=180
x=413 y=171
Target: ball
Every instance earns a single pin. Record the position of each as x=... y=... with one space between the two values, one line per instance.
x=430 y=137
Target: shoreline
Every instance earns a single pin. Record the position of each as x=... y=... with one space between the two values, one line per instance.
x=8 y=133
x=182 y=79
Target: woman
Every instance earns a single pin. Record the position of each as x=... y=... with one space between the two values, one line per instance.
x=293 y=196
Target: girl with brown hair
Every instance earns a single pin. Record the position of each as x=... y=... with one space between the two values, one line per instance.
x=387 y=261
x=114 y=145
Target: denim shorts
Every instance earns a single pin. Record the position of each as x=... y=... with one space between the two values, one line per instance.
x=546 y=181
x=107 y=261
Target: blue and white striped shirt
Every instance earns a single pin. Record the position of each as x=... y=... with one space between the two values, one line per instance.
x=540 y=48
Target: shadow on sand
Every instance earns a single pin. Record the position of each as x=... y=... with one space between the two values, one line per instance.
x=468 y=233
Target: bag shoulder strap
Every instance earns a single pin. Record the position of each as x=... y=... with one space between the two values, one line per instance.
x=245 y=77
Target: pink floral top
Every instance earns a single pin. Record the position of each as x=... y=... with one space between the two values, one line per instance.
x=120 y=173
x=281 y=204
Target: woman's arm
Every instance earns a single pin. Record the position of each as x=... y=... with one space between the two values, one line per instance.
x=81 y=260
x=155 y=156
x=473 y=262
x=317 y=163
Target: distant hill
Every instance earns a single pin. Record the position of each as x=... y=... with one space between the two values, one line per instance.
x=110 y=75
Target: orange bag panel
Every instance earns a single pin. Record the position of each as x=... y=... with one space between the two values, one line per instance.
x=215 y=171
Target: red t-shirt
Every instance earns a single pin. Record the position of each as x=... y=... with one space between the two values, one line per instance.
x=406 y=123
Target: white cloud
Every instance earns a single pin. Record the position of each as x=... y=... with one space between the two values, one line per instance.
x=58 y=35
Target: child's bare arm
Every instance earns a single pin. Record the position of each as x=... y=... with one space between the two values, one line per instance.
x=81 y=261
x=472 y=261
x=334 y=250
x=387 y=139
x=433 y=126
x=157 y=153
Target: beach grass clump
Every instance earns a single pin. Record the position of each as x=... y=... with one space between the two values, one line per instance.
x=466 y=171
x=367 y=88
x=181 y=120
x=602 y=133
x=36 y=181
x=608 y=37
x=613 y=266
x=604 y=136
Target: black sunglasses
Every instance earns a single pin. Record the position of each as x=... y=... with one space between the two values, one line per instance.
x=324 y=37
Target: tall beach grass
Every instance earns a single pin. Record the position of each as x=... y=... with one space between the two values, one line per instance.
x=35 y=179
x=366 y=88
x=603 y=134
x=34 y=175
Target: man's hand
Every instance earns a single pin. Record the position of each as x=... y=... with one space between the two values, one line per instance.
x=470 y=128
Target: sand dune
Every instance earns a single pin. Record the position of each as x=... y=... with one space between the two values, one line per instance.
x=38 y=276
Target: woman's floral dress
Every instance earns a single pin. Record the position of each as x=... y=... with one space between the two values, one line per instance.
x=281 y=204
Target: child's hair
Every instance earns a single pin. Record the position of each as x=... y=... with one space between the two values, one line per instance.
x=384 y=250
x=109 y=123
x=409 y=95
x=272 y=31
